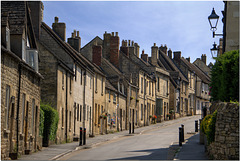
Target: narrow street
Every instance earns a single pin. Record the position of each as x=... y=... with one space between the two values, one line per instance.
x=149 y=145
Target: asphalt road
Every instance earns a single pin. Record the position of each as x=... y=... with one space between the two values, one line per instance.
x=150 y=145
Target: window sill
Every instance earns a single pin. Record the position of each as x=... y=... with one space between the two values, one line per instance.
x=6 y=131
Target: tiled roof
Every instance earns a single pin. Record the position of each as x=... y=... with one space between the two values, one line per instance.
x=97 y=37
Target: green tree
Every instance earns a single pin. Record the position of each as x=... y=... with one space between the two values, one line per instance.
x=225 y=77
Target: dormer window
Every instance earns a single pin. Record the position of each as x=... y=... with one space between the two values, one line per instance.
x=32 y=58
x=7 y=38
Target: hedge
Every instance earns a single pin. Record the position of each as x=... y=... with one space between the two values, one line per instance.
x=208 y=126
x=50 y=122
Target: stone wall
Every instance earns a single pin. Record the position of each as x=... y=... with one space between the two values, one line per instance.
x=226 y=145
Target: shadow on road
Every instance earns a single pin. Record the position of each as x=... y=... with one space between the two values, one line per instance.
x=155 y=154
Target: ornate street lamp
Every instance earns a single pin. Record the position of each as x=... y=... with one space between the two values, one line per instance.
x=213 y=20
x=214 y=50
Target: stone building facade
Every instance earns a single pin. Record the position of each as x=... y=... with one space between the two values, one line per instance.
x=180 y=99
x=20 y=82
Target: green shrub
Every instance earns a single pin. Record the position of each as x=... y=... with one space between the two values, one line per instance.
x=225 y=77
x=210 y=131
x=204 y=124
x=208 y=126
x=41 y=122
x=50 y=122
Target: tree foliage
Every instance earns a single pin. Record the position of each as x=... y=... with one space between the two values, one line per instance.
x=225 y=77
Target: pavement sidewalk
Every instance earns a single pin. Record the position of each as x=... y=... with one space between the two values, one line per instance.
x=192 y=150
x=53 y=152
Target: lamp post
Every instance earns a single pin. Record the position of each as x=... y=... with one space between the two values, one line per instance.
x=213 y=20
x=214 y=50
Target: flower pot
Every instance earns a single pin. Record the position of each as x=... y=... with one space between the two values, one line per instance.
x=13 y=156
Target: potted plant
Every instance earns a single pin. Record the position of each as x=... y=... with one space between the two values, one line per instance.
x=154 y=118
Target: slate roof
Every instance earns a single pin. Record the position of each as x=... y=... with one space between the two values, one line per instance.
x=72 y=52
x=170 y=65
x=110 y=86
x=197 y=71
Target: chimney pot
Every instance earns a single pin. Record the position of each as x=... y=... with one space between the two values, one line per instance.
x=142 y=51
x=112 y=33
x=132 y=43
x=129 y=42
x=73 y=35
x=77 y=33
x=56 y=19
x=154 y=44
x=116 y=33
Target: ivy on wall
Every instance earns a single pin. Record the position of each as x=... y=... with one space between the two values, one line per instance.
x=225 y=77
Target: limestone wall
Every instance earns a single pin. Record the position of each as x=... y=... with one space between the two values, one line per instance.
x=226 y=145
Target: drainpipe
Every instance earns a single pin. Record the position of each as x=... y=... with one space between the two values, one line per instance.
x=84 y=105
x=93 y=111
x=66 y=111
x=19 y=90
x=144 y=95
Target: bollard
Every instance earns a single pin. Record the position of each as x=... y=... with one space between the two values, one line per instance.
x=84 y=136
x=129 y=127
x=80 y=139
x=180 y=136
x=182 y=132
x=133 y=128
x=201 y=135
x=196 y=125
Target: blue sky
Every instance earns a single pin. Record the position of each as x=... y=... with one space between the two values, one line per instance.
x=181 y=25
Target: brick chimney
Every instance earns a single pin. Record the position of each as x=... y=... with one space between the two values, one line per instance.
x=170 y=53
x=163 y=49
x=144 y=56
x=97 y=54
x=75 y=41
x=204 y=58
x=177 y=57
x=114 y=49
x=154 y=56
x=36 y=11
x=124 y=48
x=188 y=59
x=59 y=29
